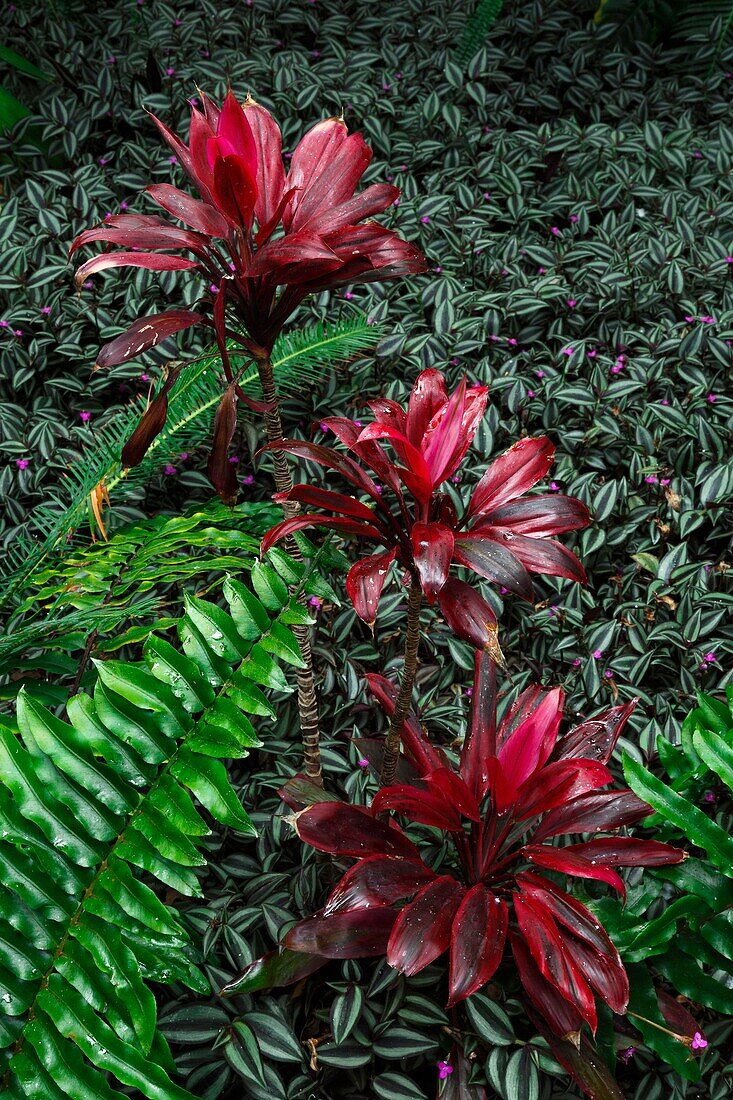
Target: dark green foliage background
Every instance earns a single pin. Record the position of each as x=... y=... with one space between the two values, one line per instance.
x=628 y=153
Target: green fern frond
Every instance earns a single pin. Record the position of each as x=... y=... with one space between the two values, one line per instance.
x=477 y=29
x=298 y=358
x=125 y=789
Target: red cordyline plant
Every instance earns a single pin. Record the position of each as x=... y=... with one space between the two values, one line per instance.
x=518 y=787
x=501 y=537
x=261 y=240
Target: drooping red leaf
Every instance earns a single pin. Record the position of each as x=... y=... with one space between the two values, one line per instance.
x=567 y=911
x=597 y=812
x=455 y=791
x=422 y=930
x=222 y=473
x=197 y=215
x=152 y=261
x=377 y=880
x=626 y=851
x=313 y=497
x=415 y=473
x=477 y=942
x=370 y=253
x=344 y=830
x=559 y=782
x=495 y=562
x=512 y=474
x=527 y=749
x=273 y=971
x=330 y=523
x=332 y=460
x=365 y=581
x=480 y=743
x=151 y=424
x=579 y=1057
x=541 y=516
x=270 y=172
x=343 y=935
x=563 y=1017
x=552 y=956
x=596 y=738
x=676 y=1015
x=146 y=332
x=294 y=259
x=538 y=555
x=574 y=864
x=415 y=743
x=126 y=231
x=604 y=974
x=424 y=804
x=470 y=617
x=432 y=548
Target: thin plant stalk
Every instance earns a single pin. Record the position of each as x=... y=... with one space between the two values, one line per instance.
x=407 y=682
x=307 y=699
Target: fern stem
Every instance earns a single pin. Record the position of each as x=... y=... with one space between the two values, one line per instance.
x=404 y=698
x=307 y=699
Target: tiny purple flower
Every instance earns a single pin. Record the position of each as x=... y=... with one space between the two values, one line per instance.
x=577 y=662
x=445 y=1069
x=597 y=654
x=698 y=1042
x=234 y=459
x=169 y=71
x=313 y=601
x=169 y=470
x=22 y=463
x=173 y=160
x=568 y=351
x=531 y=393
x=574 y=218
x=437 y=269
x=425 y=219
x=46 y=310
x=711 y=398
x=541 y=271
x=540 y=373
x=651 y=479
x=729 y=259
x=709 y=796
x=571 y=303
x=627 y=1055
x=183 y=456
x=248 y=479
x=608 y=674
x=85 y=416
x=554 y=487
x=363 y=763
x=555 y=230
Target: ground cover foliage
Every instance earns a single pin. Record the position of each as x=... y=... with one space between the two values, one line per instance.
x=572 y=192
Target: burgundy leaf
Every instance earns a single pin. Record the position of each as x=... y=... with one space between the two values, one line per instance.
x=480 y=742
x=538 y=555
x=450 y=433
x=432 y=548
x=235 y=133
x=428 y=396
x=331 y=180
x=128 y=233
x=423 y=804
x=365 y=581
x=272 y=971
x=574 y=864
x=553 y=957
x=423 y=928
x=268 y=159
x=512 y=474
x=452 y=787
x=527 y=749
x=343 y=935
x=477 y=942
x=372 y=200
x=198 y=215
x=559 y=782
x=470 y=617
x=235 y=190
x=593 y=813
x=295 y=258
x=221 y=471
x=495 y=562
x=145 y=333
x=626 y=851
x=344 y=830
x=151 y=261
x=378 y=880
x=596 y=738
x=541 y=516
x=331 y=523
x=314 y=497
x=577 y=1054
x=606 y=975
x=415 y=474
x=416 y=745
x=676 y=1015
x=563 y=1017
x=331 y=459
x=151 y=424
x=569 y=912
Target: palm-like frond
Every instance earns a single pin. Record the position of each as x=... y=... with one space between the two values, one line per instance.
x=477 y=29
x=104 y=812
x=298 y=358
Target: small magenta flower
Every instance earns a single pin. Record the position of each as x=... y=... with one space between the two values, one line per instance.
x=531 y=393
x=487 y=195
x=363 y=763
x=665 y=480
x=574 y=218
x=577 y=662
x=445 y=1069
x=45 y=310
x=183 y=456
x=554 y=487
x=173 y=160
x=348 y=295
x=568 y=351
x=144 y=377
x=19 y=332
x=169 y=470
x=709 y=796
x=689 y=318
x=22 y=463
x=651 y=479
x=103 y=161
x=627 y=1055
x=540 y=373
x=169 y=71
x=425 y=219
x=571 y=303
x=711 y=398
x=698 y=1042
x=708 y=320
x=437 y=269
x=597 y=654
x=512 y=342
x=324 y=427
x=4 y=324
x=85 y=416
x=664 y=401
x=314 y=601
x=592 y=353
x=248 y=479
x=729 y=259
x=709 y=658
x=541 y=271
x=608 y=673
x=555 y=230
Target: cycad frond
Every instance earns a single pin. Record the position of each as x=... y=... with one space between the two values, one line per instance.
x=103 y=812
x=477 y=29
x=301 y=357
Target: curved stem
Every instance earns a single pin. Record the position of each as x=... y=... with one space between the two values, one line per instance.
x=307 y=700
x=404 y=697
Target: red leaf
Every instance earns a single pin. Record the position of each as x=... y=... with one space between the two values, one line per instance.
x=365 y=581
x=314 y=497
x=369 y=253
x=626 y=851
x=270 y=173
x=423 y=804
x=415 y=474
x=477 y=942
x=198 y=215
x=145 y=333
x=596 y=738
x=377 y=880
x=422 y=930
x=593 y=813
x=372 y=200
x=428 y=396
x=330 y=523
x=416 y=745
x=606 y=975
x=222 y=473
x=559 y=782
x=576 y=865
x=577 y=1054
x=453 y=789
x=271 y=971
x=552 y=956
x=541 y=516
x=527 y=749
x=151 y=424
x=343 y=935
x=470 y=617
x=312 y=153
x=235 y=190
x=512 y=474
x=569 y=912
x=152 y=261
x=126 y=231
x=495 y=562
x=480 y=743
x=563 y=1017
x=332 y=178
x=332 y=460
x=344 y=830
x=295 y=259
x=432 y=548
x=234 y=131
x=450 y=432
x=538 y=555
